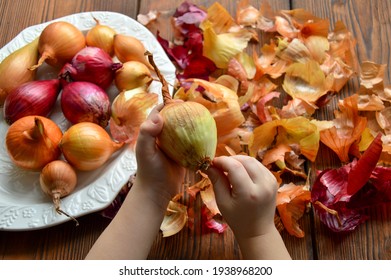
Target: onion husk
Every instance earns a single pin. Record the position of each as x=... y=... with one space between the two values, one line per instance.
x=189 y=134
x=33 y=141
x=87 y=146
x=58 y=43
x=14 y=68
x=31 y=98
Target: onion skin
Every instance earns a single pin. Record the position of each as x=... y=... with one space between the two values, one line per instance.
x=31 y=98
x=87 y=146
x=101 y=36
x=14 y=68
x=92 y=65
x=58 y=43
x=85 y=102
x=189 y=134
x=33 y=141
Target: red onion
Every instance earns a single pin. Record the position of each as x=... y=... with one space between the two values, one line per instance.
x=31 y=98
x=92 y=64
x=85 y=102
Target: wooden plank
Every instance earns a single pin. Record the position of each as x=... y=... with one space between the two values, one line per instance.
x=370 y=24
x=193 y=243
x=49 y=10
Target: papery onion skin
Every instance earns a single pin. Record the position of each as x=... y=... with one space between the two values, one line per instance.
x=189 y=134
x=87 y=146
x=33 y=141
x=14 y=68
x=58 y=43
x=133 y=74
x=101 y=36
x=92 y=64
x=85 y=102
x=31 y=98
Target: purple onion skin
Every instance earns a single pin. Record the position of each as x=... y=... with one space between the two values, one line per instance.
x=31 y=98
x=93 y=65
x=85 y=102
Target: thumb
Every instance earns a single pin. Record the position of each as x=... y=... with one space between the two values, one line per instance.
x=149 y=129
x=221 y=185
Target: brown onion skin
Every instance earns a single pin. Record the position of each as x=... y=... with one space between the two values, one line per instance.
x=92 y=64
x=31 y=98
x=85 y=102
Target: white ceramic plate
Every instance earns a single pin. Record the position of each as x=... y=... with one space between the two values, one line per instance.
x=22 y=204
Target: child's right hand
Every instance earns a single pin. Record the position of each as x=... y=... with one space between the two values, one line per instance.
x=245 y=193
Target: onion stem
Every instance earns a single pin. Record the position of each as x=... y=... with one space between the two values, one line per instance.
x=165 y=91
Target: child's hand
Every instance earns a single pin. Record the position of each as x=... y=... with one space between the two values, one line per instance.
x=154 y=170
x=245 y=194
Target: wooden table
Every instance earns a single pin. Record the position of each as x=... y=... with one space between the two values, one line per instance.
x=370 y=23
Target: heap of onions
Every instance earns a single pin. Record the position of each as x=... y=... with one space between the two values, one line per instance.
x=58 y=43
x=87 y=146
x=189 y=134
x=58 y=179
x=91 y=64
x=33 y=141
x=31 y=98
x=14 y=68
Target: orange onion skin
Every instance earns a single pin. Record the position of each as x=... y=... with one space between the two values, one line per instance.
x=92 y=64
x=33 y=141
x=58 y=43
x=85 y=102
x=31 y=98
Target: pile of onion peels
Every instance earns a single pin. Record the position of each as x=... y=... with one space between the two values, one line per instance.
x=264 y=103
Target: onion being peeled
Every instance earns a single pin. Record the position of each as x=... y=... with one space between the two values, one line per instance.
x=85 y=102
x=189 y=134
x=93 y=65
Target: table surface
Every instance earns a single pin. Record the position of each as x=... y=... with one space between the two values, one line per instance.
x=370 y=23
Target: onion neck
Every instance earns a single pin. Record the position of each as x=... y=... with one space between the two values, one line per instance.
x=36 y=132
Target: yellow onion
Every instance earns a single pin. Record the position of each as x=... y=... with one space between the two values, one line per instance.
x=189 y=134
x=58 y=179
x=101 y=36
x=133 y=74
x=87 y=146
x=14 y=68
x=128 y=48
x=58 y=43
x=32 y=142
